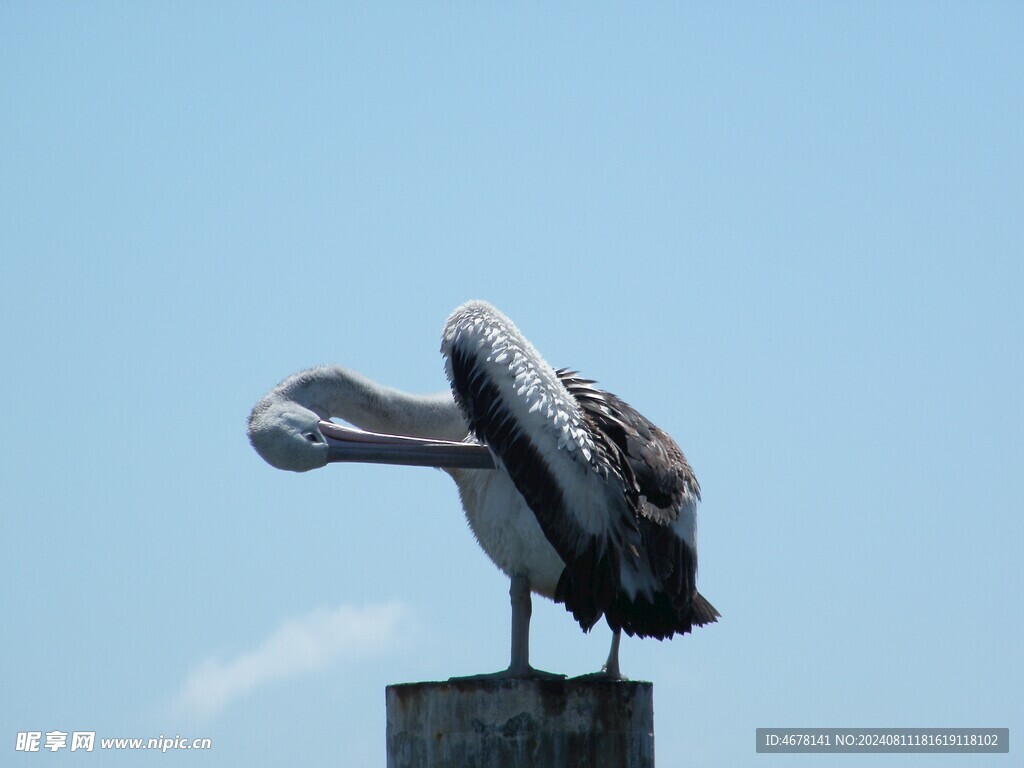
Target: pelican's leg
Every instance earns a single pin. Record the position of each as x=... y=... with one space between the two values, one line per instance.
x=611 y=667
x=610 y=670
x=522 y=609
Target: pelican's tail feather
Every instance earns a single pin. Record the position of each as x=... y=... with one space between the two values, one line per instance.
x=702 y=611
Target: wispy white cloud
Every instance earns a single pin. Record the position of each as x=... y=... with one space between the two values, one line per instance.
x=299 y=645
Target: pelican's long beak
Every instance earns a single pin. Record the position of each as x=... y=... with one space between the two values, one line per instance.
x=347 y=444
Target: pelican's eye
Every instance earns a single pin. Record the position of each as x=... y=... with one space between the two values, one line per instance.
x=313 y=437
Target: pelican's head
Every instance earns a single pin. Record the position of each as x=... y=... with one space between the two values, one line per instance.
x=287 y=435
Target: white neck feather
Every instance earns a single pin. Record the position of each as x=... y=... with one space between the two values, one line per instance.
x=333 y=391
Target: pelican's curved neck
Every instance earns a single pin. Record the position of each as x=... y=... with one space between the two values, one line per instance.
x=334 y=391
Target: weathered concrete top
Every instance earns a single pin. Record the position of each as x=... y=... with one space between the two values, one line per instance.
x=519 y=723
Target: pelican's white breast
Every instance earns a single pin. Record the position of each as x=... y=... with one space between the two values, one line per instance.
x=507 y=529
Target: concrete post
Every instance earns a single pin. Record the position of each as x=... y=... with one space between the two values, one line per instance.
x=521 y=724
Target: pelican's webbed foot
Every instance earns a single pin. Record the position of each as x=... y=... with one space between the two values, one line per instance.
x=514 y=674
x=604 y=674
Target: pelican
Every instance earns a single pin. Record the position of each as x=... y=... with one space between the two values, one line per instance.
x=571 y=492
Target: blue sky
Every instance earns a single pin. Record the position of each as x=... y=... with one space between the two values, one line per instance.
x=790 y=234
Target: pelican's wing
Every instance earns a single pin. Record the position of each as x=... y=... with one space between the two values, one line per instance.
x=662 y=488
x=661 y=476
